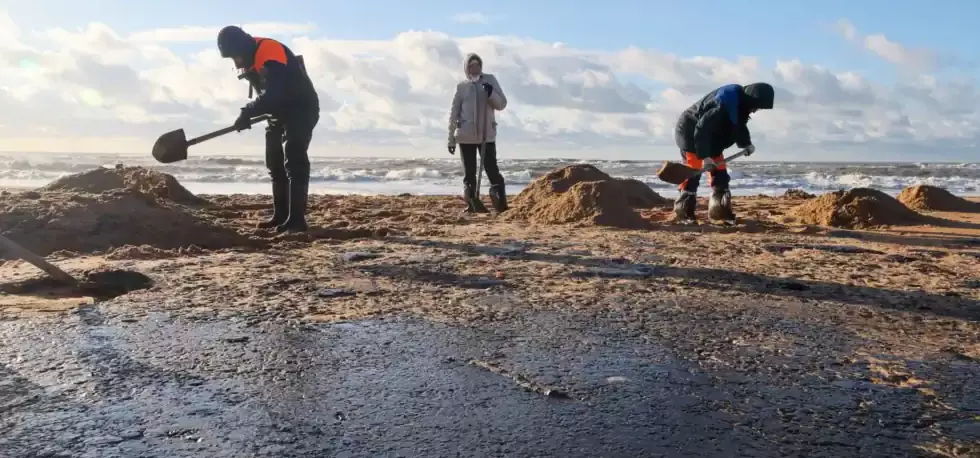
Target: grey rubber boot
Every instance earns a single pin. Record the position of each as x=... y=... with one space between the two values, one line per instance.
x=720 y=206
x=684 y=206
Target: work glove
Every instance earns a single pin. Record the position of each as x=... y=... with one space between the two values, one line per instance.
x=749 y=150
x=243 y=122
x=487 y=87
x=452 y=149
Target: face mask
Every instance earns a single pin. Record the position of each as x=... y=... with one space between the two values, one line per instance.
x=475 y=78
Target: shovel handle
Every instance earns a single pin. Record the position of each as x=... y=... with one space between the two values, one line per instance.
x=23 y=253
x=737 y=155
x=729 y=158
x=226 y=130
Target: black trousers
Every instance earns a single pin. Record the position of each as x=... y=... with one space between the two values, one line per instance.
x=469 y=154
x=287 y=147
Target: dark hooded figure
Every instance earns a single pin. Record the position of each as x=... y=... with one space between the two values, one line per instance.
x=704 y=131
x=287 y=93
x=473 y=125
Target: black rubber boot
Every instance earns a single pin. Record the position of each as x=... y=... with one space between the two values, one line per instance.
x=280 y=205
x=299 y=190
x=720 y=206
x=473 y=202
x=684 y=207
x=498 y=197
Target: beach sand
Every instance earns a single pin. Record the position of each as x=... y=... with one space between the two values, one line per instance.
x=773 y=299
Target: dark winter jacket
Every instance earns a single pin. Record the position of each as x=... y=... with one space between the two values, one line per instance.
x=719 y=120
x=285 y=89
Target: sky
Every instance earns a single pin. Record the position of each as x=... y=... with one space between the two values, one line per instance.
x=855 y=80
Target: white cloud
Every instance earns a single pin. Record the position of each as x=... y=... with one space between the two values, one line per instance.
x=846 y=29
x=97 y=89
x=471 y=18
x=187 y=34
x=916 y=59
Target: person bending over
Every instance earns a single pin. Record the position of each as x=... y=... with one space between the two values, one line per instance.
x=287 y=94
x=704 y=131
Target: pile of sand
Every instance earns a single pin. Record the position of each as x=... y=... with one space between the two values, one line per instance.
x=858 y=208
x=797 y=194
x=584 y=194
x=49 y=221
x=931 y=198
x=149 y=182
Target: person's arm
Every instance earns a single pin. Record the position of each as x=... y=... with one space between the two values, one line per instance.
x=454 y=111
x=497 y=99
x=270 y=59
x=730 y=99
x=742 y=137
x=705 y=131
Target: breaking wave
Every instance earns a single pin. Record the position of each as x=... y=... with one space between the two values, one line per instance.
x=443 y=176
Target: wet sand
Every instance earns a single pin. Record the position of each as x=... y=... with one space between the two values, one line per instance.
x=399 y=326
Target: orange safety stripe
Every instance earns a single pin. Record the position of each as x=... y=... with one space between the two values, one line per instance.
x=693 y=161
x=268 y=50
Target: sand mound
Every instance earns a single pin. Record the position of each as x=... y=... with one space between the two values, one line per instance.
x=797 y=194
x=584 y=194
x=45 y=222
x=858 y=208
x=639 y=195
x=931 y=198
x=149 y=182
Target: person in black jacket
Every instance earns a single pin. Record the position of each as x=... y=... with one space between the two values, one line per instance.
x=704 y=131
x=287 y=93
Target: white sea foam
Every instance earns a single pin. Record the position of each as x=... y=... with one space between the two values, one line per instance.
x=227 y=174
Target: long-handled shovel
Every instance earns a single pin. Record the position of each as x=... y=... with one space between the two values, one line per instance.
x=172 y=146
x=675 y=173
x=481 y=121
x=23 y=253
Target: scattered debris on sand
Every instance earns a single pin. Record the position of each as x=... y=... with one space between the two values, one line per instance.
x=582 y=193
x=143 y=252
x=46 y=222
x=143 y=180
x=858 y=208
x=797 y=194
x=932 y=198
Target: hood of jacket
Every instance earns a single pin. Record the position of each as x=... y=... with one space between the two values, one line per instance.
x=466 y=63
x=759 y=96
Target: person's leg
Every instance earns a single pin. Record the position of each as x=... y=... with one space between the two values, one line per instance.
x=720 y=203
x=299 y=134
x=498 y=194
x=275 y=161
x=490 y=164
x=687 y=201
x=468 y=153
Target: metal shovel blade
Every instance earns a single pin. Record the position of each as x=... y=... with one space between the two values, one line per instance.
x=675 y=173
x=171 y=147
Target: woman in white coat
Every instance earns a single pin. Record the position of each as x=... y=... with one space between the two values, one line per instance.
x=473 y=126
